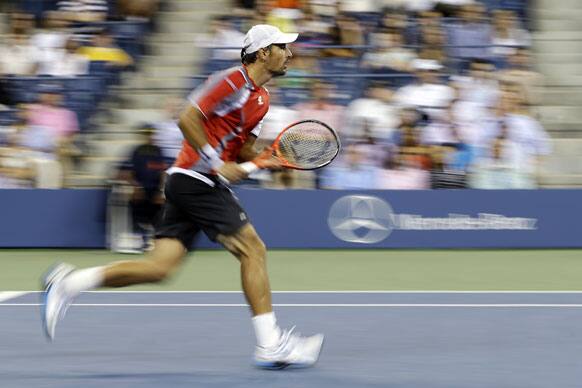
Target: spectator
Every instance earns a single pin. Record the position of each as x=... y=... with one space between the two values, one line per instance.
x=432 y=45
x=27 y=159
x=137 y=9
x=358 y=6
x=168 y=135
x=373 y=113
x=285 y=15
x=65 y=62
x=305 y=65
x=431 y=37
x=289 y=4
x=499 y=170
x=473 y=30
x=320 y=107
x=53 y=36
x=16 y=169
x=389 y=53
x=533 y=143
x=407 y=131
x=402 y=172
x=481 y=133
x=507 y=34
x=442 y=173
x=143 y=172
x=395 y=20
x=18 y=56
x=103 y=49
x=441 y=130
x=428 y=93
x=520 y=71
x=425 y=20
x=325 y=8
x=222 y=34
x=445 y=131
x=84 y=10
x=478 y=92
x=62 y=123
x=346 y=32
x=351 y=173
x=480 y=85
x=22 y=24
x=313 y=28
x=406 y=139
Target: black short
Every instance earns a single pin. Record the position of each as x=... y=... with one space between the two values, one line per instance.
x=193 y=206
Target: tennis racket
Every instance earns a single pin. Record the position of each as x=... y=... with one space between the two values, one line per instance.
x=307 y=145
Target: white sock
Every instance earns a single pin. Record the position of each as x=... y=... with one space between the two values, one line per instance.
x=266 y=330
x=83 y=280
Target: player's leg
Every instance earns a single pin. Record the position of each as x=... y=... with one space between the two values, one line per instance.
x=276 y=348
x=63 y=283
x=174 y=234
x=250 y=250
x=157 y=266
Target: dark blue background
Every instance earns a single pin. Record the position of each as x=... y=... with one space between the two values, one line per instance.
x=298 y=218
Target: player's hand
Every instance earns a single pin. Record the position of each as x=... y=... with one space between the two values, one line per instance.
x=267 y=160
x=232 y=172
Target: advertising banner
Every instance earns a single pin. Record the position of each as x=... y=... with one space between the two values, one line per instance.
x=328 y=219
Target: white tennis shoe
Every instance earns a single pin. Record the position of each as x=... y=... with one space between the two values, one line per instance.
x=293 y=350
x=55 y=299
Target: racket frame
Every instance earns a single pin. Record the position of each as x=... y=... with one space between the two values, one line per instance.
x=285 y=163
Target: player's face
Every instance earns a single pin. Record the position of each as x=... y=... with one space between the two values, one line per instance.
x=278 y=59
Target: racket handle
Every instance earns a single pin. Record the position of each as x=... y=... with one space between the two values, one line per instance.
x=249 y=167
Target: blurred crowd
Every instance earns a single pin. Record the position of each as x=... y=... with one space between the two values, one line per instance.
x=425 y=94
x=57 y=59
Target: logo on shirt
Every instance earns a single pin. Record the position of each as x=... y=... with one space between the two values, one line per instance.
x=260 y=100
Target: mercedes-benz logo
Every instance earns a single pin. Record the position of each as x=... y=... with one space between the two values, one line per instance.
x=361 y=219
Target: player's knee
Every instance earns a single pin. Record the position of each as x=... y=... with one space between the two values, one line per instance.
x=255 y=250
x=261 y=249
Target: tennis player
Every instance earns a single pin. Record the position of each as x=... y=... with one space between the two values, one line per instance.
x=220 y=125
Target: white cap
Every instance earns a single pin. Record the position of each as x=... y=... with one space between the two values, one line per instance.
x=264 y=35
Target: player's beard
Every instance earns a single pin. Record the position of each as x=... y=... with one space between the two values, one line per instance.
x=278 y=73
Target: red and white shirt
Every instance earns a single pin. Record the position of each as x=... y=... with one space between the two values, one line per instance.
x=233 y=107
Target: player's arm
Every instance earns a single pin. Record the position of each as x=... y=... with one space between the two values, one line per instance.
x=191 y=125
x=262 y=159
x=248 y=151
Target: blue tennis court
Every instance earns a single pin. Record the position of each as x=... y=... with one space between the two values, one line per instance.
x=374 y=339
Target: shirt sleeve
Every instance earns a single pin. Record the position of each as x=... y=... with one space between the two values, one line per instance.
x=257 y=130
x=216 y=90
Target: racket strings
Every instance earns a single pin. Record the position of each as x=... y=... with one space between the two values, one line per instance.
x=308 y=145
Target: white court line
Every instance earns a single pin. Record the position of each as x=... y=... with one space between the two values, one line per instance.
x=389 y=305
x=6 y=295
x=322 y=292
